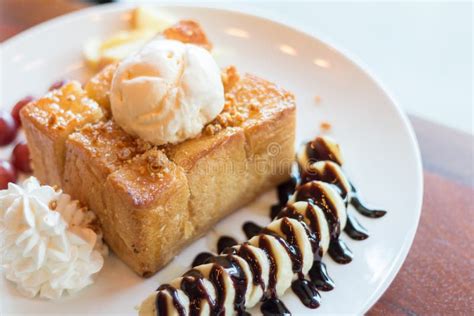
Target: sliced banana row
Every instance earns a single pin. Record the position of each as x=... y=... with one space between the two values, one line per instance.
x=270 y=255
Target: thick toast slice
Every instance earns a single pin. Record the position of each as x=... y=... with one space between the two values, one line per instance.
x=139 y=196
x=49 y=120
x=47 y=123
x=152 y=201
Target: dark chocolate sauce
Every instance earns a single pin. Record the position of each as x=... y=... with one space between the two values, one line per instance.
x=216 y=277
x=192 y=285
x=246 y=254
x=284 y=191
x=307 y=189
x=290 y=212
x=264 y=244
x=225 y=242
x=162 y=306
x=320 y=277
x=314 y=224
x=306 y=292
x=339 y=251
x=274 y=307
x=193 y=273
x=362 y=208
x=318 y=150
x=251 y=229
x=332 y=174
x=201 y=258
x=289 y=244
x=354 y=229
x=230 y=265
x=311 y=191
x=275 y=209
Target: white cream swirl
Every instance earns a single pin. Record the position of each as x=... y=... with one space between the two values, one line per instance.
x=167 y=92
x=48 y=246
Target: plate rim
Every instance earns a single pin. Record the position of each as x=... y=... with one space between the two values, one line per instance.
x=318 y=36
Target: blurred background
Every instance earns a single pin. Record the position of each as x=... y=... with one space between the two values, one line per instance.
x=421 y=51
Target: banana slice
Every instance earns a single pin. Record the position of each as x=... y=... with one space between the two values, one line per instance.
x=144 y=17
x=145 y=23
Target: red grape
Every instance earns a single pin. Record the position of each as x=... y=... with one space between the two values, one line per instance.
x=7 y=174
x=58 y=84
x=18 y=106
x=21 y=157
x=8 y=128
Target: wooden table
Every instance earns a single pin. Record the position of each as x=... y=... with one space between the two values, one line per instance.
x=438 y=276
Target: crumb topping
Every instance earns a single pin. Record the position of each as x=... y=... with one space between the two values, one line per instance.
x=63 y=108
x=53 y=205
x=188 y=31
x=244 y=99
x=325 y=126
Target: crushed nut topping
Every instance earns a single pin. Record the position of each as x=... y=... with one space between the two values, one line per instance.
x=53 y=205
x=142 y=146
x=124 y=153
x=52 y=120
x=71 y=97
x=230 y=77
x=155 y=161
x=212 y=129
x=325 y=126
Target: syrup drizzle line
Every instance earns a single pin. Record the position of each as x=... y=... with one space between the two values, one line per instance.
x=307 y=291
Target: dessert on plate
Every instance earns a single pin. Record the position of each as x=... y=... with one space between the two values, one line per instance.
x=159 y=145
x=162 y=145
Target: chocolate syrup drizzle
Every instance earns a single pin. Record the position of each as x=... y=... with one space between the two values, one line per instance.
x=251 y=229
x=225 y=242
x=303 y=186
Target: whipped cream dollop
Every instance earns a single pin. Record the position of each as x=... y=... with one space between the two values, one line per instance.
x=49 y=244
x=167 y=91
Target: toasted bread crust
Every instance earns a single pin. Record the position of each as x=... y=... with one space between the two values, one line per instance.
x=47 y=123
x=188 y=31
x=152 y=201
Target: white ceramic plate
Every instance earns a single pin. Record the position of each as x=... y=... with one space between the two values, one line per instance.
x=381 y=152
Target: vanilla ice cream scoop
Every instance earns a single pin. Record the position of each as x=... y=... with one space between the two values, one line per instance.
x=167 y=92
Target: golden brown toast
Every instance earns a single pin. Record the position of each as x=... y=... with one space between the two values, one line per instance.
x=136 y=192
x=152 y=201
x=188 y=31
x=49 y=120
x=247 y=149
x=98 y=87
